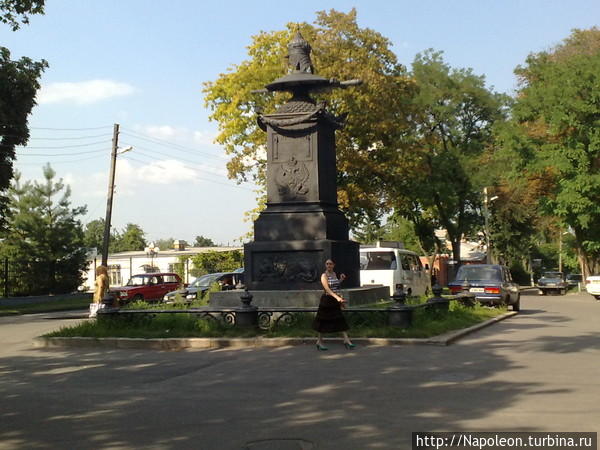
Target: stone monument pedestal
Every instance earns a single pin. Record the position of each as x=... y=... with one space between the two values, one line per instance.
x=298 y=298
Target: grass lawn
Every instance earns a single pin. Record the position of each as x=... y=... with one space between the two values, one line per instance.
x=425 y=324
x=34 y=308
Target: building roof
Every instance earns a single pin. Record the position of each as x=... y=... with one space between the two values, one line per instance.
x=189 y=251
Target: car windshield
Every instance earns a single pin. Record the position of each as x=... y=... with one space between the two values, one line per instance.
x=484 y=273
x=553 y=275
x=137 y=281
x=205 y=280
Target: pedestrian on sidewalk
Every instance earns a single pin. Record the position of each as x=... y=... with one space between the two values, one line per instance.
x=329 y=318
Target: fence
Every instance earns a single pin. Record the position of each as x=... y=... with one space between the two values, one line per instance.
x=19 y=278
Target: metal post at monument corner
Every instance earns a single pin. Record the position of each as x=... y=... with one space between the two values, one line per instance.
x=399 y=315
x=247 y=314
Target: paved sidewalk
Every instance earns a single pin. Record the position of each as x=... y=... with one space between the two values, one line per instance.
x=537 y=371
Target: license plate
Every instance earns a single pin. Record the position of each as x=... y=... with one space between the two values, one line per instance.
x=477 y=290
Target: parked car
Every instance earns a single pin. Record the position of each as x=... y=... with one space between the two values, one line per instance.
x=492 y=284
x=574 y=279
x=552 y=282
x=147 y=286
x=388 y=264
x=227 y=280
x=592 y=286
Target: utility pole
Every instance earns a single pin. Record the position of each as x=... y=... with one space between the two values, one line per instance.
x=111 y=188
x=488 y=250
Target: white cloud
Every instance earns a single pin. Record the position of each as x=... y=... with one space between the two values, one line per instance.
x=165 y=172
x=82 y=92
x=165 y=132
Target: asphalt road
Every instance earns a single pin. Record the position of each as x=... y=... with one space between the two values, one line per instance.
x=537 y=371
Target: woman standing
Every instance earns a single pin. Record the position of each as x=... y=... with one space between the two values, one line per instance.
x=329 y=317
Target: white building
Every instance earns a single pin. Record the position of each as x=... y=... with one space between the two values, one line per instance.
x=121 y=266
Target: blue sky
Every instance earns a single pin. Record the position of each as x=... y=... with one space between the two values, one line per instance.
x=141 y=63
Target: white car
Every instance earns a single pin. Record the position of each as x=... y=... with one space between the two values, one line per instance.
x=592 y=285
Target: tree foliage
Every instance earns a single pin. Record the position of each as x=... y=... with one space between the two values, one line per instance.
x=131 y=238
x=44 y=241
x=15 y=12
x=213 y=262
x=558 y=113
x=438 y=183
x=202 y=241
x=19 y=82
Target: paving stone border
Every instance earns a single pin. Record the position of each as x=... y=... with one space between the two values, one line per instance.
x=176 y=344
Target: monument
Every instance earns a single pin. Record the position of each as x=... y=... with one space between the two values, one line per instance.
x=302 y=225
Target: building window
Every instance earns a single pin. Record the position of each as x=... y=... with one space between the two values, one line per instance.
x=114 y=275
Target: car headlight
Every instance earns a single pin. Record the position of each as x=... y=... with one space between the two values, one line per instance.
x=123 y=294
x=189 y=296
x=166 y=297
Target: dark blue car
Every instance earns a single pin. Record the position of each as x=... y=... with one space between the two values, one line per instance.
x=492 y=284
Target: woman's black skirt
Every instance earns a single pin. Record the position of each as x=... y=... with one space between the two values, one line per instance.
x=329 y=318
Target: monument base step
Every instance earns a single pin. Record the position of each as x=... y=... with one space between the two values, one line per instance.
x=299 y=298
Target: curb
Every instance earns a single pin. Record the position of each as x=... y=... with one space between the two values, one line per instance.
x=176 y=344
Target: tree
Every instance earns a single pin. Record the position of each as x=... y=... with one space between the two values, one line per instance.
x=130 y=239
x=557 y=111
x=453 y=122
x=13 y=11
x=378 y=110
x=201 y=241
x=19 y=82
x=44 y=241
x=165 y=244
x=213 y=262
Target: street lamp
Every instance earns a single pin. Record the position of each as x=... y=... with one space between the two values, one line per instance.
x=151 y=252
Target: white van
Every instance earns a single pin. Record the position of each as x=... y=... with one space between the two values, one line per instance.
x=389 y=264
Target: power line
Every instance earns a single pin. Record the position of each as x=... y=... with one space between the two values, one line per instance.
x=61 y=154
x=164 y=143
x=70 y=138
x=137 y=149
x=70 y=129
x=129 y=158
x=59 y=162
x=65 y=146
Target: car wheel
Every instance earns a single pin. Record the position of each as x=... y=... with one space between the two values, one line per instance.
x=597 y=297
x=517 y=305
x=138 y=297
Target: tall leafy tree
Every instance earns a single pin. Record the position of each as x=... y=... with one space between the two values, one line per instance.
x=19 y=82
x=44 y=241
x=378 y=110
x=558 y=113
x=130 y=239
x=453 y=122
x=202 y=241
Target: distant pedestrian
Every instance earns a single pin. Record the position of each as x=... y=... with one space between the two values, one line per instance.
x=101 y=283
x=329 y=318
x=100 y=288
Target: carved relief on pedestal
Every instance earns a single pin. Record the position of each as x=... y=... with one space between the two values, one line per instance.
x=292 y=178
x=289 y=268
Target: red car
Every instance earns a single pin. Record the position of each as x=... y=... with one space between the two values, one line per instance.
x=147 y=286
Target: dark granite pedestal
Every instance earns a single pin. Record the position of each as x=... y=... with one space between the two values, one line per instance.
x=299 y=298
